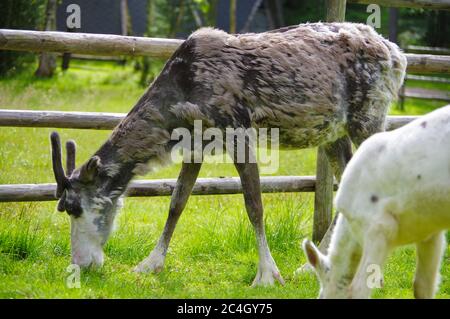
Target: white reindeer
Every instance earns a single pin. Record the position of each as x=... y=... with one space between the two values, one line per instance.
x=395 y=191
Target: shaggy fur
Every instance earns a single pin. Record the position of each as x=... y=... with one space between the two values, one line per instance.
x=320 y=84
x=316 y=82
x=395 y=191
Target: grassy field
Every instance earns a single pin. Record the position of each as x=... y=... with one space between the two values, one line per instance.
x=213 y=252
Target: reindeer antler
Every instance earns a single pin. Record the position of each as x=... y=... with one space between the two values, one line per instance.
x=61 y=179
x=70 y=159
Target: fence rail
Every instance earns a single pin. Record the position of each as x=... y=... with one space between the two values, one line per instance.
x=427 y=50
x=86 y=43
x=164 y=187
x=427 y=78
x=102 y=121
x=426 y=94
x=428 y=63
x=426 y=4
x=103 y=44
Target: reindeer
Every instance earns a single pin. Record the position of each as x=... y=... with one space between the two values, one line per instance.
x=395 y=191
x=320 y=84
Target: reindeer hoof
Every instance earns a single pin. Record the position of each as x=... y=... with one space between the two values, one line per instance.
x=267 y=277
x=305 y=269
x=153 y=263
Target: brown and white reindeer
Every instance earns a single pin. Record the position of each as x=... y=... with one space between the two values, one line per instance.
x=319 y=83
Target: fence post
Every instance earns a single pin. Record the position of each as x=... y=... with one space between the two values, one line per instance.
x=323 y=197
x=335 y=10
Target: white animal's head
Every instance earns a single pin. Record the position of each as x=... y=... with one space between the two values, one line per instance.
x=91 y=207
x=331 y=286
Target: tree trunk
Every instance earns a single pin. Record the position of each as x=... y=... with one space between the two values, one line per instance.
x=124 y=17
x=323 y=197
x=393 y=24
x=178 y=20
x=232 y=16
x=212 y=13
x=66 y=55
x=274 y=10
x=47 y=61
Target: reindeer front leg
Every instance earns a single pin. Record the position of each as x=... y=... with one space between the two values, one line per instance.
x=185 y=182
x=267 y=270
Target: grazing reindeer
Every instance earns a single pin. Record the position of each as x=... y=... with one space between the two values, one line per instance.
x=394 y=191
x=320 y=84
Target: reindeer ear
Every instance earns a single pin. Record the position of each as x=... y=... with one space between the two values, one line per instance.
x=312 y=253
x=90 y=169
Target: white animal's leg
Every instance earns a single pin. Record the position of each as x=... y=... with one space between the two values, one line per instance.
x=268 y=271
x=374 y=256
x=429 y=255
x=375 y=251
x=186 y=180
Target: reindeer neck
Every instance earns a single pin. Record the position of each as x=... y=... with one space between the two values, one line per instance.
x=344 y=253
x=139 y=139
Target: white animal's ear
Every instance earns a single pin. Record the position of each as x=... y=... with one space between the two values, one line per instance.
x=312 y=253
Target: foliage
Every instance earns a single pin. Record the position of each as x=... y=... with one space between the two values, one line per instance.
x=170 y=19
x=19 y=14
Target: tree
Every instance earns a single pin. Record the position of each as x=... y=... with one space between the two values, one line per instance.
x=18 y=14
x=274 y=9
x=47 y=60
x=232 y=16
x=437 y=28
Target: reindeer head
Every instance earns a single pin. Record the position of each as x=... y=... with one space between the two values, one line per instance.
x=83 y=194
x=331 y=285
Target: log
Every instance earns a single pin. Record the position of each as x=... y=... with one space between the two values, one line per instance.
x=164 y=187
x=335 y=10
x=427 y=50
x=102 y=121
x=427 y=94
x=427 y=63
x=86 y=43
x=427 y=78
x=426 y=4
x=323 y=197
x=396 y=121
x=113 y=45
x=57 y=119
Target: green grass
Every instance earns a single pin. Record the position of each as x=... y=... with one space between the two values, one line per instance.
x=213 y=252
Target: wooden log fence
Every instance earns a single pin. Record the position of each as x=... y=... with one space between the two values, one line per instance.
x=86 y=43
x=425 y=4
x=112 y=45
x=164 y=187
x=427 y=78
x=426 y=94
x=323 y=197
x=102 y=121
x=427 y=50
